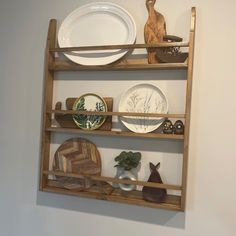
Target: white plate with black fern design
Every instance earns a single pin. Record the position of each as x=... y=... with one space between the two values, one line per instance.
x=89 y=102
x=143 y=98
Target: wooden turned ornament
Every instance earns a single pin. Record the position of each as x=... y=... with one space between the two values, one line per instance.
x=154 y=30
x=168 y=127
x=178 y=127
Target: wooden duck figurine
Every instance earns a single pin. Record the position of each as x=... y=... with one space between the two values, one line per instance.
x=154 y=30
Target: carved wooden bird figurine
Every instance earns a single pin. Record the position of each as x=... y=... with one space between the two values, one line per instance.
x=154 y=29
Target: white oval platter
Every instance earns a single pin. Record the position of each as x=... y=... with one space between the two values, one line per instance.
x=96 y=24
x=143 y=98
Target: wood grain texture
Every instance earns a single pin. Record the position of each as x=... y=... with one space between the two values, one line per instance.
x=154 y=30
x=47 y=103
x=76 y=156
x=170 y=202
x=126 y=65
x=65 y=120
x=188 y=108
x=121 y=46
x=114 y=180
x=58 y=111
x=116 y=133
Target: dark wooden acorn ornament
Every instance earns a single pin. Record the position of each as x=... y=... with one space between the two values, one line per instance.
x=151 y=194
x=168 y=127
x=178 y=127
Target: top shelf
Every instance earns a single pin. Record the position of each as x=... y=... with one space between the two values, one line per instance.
x=140 y=62
x=124 y=64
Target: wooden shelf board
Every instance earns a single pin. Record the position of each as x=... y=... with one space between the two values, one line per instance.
x=113 y=180
x=172 y=202
x=113 y=113
x=129 y=64
x=121 y=46
x=116 y=133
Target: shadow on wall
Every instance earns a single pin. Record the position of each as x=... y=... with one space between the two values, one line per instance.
x=112 y=209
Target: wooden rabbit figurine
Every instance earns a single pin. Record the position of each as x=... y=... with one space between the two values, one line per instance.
x=151 y=194
x=154 y=30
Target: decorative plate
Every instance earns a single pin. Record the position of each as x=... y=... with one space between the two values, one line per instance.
x=143 y=98
x=89 y=102
x=78 y=156
x=93 y=25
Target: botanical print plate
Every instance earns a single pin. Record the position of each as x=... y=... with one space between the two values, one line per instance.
x=89 y=102
x=143 y=98
x=97 y=24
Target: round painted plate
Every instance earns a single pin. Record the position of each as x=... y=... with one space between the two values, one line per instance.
x=143 y=98
x=93 y=25
x=89 y=102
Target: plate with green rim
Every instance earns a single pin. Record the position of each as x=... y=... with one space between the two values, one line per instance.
x=89 y=102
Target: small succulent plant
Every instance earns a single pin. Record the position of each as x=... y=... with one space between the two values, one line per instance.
x=128 y=160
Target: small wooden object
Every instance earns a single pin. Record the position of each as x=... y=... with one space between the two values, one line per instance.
x=66 y=120
x=154 y=194
x=179 y=127
x=154 y=30
x=167 y=127
x=171 y=54
x=77 y=156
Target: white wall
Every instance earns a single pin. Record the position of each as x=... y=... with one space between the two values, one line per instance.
x=211 y=209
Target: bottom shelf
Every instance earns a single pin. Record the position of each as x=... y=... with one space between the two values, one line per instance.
x=172 y=202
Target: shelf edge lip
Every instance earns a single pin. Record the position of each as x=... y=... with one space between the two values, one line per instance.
x=116 y=133
x=72 y=112
x=114 y=180
x=170 y=207
x=119 y=67
x=121 y=46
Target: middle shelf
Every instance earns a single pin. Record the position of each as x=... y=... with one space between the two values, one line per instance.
x=71 y=112
x=115 y=133
x=66 y=116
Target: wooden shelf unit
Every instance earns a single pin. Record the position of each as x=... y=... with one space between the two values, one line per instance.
x=55 y=64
